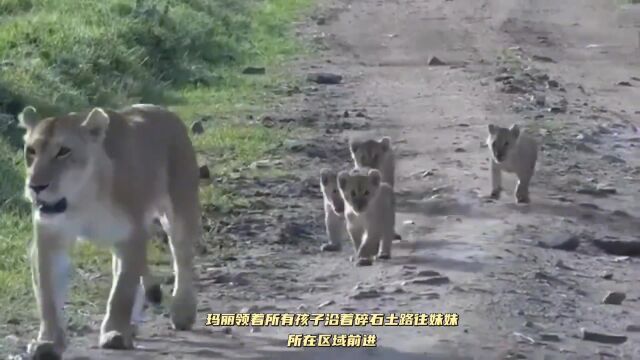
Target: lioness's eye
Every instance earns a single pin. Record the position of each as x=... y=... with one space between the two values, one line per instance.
x=30 y=151
x=64 y=151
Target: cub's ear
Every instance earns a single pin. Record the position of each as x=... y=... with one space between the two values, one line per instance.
x=97 y=123
x=28 y=118
x=343 y=176
x=515 y=130
x=375 y=177
x=386 y=143
x=354 y=144
x=492 y=129
x=325 y=174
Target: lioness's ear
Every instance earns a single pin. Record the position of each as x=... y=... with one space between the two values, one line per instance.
x=375 y=177
x=386 y=143
x=492 y=129
x=354 y=144
x=28 y=118
x=515 y=130
x=97 y=123
x=342 y=179
x=324 y=176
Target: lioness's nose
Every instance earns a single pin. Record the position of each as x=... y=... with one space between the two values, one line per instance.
x=38 y=188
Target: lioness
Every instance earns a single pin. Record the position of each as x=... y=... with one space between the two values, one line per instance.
x=106 y=175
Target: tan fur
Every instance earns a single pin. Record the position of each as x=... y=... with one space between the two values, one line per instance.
x=117 y=172
x=333 y=210
x=376 y=154
x=512 y=151
x=369 y=213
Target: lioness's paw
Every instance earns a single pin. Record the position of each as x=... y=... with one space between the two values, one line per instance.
x=364 y=262
x=115 y=340
x=43 y=350
x=183 y=311
x=330 y=247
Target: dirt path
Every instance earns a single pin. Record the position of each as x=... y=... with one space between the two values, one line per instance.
x=515 y=298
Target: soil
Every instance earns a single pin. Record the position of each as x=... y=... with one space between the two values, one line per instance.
x=528 y=281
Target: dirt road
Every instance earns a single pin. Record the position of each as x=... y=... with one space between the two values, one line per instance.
x=524 y=279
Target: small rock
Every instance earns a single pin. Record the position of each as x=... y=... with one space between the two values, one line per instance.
x=249 y=309
x=602 y=337
x=251 y=70
x=321 y=21
x=345 y=114
x=633 y=328
x=613 y=159
x=584 y=148
x=619 y=247
x=326 y=303
x=550 y=337
x=437 y=280
x=459 y=150
x=226 y=330
x=569 y=243
x=204 y=172
x=434 y=61
x=607 y=275
x=614 y=298
x=255 y=329
x=325 y=78
x=366 y=294
x=197 y=127
x=623 y=83
x=302 y=307
x=542 y=58
x=428 y=273
x=552 y=84
x=409 y=222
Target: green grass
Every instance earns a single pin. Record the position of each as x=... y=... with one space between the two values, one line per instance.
x=64 y=56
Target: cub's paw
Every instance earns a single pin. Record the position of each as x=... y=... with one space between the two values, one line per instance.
x=115 y=340
x=44 y=350
x=522 y=199
x=330 y=247
x=364 y=262
x=384 y=256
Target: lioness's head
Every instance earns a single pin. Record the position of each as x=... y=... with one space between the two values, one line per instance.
x=370 y=152
x=329 y=187
x=358 y=186
x=501 y=140
x=59 y=156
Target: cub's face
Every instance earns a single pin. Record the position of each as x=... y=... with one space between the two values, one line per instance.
x=501 y=141
x=369 y=153
x=359 y=186
x=329 y=187
x=58 y=157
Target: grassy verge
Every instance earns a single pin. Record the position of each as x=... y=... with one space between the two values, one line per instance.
x=61 y=56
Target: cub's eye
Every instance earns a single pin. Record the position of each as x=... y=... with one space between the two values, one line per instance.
x=353 y=193
x=506 y=143
x=335 y=191
x=366 y=193
x=63 y=152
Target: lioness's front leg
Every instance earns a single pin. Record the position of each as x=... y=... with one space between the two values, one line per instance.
x=129 y=260
x=50 y=265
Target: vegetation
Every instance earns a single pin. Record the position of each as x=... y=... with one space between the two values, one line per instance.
x=63 y=56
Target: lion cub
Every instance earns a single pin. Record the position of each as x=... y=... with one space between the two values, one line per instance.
x=333 y=210
x=375 y=154
x=369 y=213
x=512 y=152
